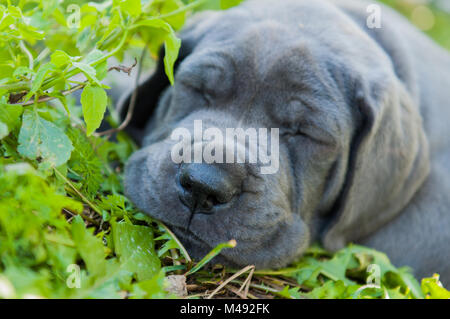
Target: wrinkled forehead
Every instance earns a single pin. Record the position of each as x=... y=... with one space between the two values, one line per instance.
x=293 y=36
x=257 y=51
x=267 y=47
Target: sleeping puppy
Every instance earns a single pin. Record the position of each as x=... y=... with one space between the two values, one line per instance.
x=362 y=116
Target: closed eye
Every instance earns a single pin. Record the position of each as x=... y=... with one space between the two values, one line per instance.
x=301 y=120
x=197 y=89
x=308 y=131
x=293 y=133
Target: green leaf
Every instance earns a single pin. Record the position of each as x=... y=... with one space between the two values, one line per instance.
x=60 y=58
x=3 y=130
x=90 y=248
x=334 y=268
x=290 y=293
x=150 y=289
x=172 y=46
x=85 y=163
x=88 y=71
x=389 y=273
x=226 y=4
x=93 y=102
x=10 y=115
x=101 y=69
x=330 y=290
x=175 y=20
x=39 y=78
x=6 y=21
x=213 y=253
x=135 y=247
x=93 y=56
x=40 y=138
x=132 y=7
x=22 y=72
x=433 y=288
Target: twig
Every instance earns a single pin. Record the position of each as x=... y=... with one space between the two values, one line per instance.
x=49 y=98
x=123 y=68
x=133 y=99
x=192 y=287
x=51 y=82
x=72 y=89
x=69 y=212
x=240 y=272
x=15 y=97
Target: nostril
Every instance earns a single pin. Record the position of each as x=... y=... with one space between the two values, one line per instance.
x=187 y=186
x=212 y=200
x=184 y=179
x=208 y=203
x=205 y=186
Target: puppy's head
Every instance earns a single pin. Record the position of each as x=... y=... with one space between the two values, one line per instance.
x=276 y=132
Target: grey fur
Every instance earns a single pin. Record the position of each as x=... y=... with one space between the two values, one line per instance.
x=365 y=136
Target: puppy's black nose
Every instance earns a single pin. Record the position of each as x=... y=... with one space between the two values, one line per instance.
x=204 y=186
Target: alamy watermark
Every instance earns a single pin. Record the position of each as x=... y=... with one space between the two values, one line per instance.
x=373 y=20
x=73 y=20
x=74 y=278
x=235 y=146
x=373 y=280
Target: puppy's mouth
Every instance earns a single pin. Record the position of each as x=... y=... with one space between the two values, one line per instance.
x=202 y=248
x=185 y=235
x=195 y=212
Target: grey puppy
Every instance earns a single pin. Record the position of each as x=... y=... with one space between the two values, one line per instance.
x=364 y=127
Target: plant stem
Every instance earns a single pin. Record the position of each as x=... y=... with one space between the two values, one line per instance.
x=191 y=5
x=87 y=201
x=50 y=83
x=49 y=98
x=16 y=87
x=28 y=54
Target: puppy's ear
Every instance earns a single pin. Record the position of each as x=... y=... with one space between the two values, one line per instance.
x=389 y=161
x=151 y=88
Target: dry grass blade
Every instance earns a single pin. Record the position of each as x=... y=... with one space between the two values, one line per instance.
x=236 y=275
x=238 y=292
x=247 y=282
